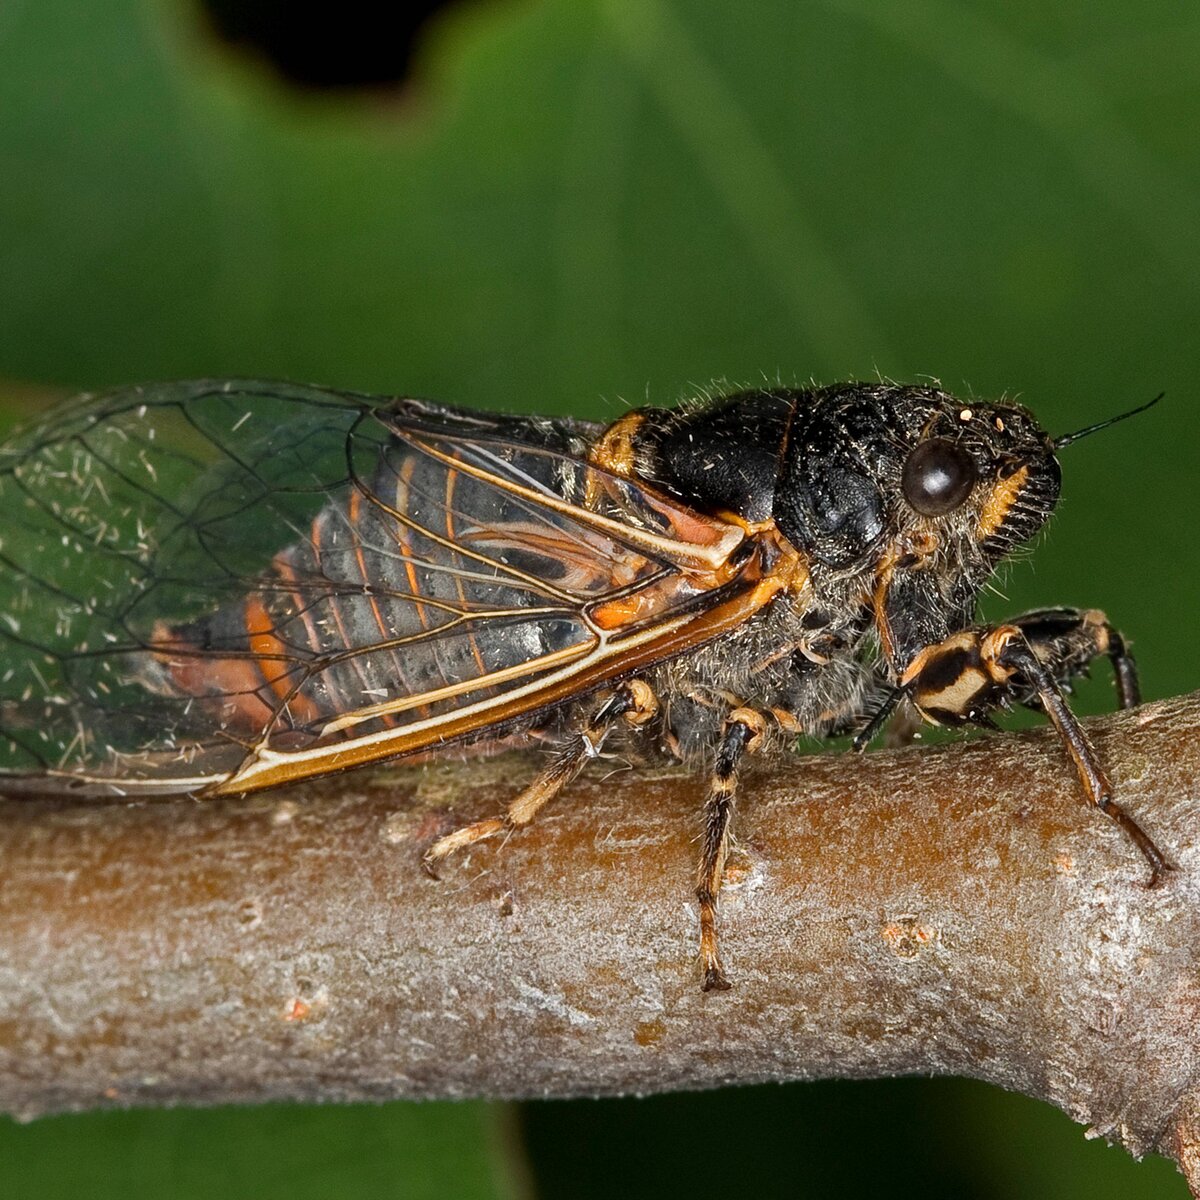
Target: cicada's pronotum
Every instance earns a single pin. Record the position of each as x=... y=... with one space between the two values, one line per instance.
x=220 y=587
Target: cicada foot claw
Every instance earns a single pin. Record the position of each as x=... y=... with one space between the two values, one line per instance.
x=715 y=980
x=468 y=835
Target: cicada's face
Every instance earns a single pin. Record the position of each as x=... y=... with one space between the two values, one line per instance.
x=866 y=466
x=923 y=491
x=984 y=475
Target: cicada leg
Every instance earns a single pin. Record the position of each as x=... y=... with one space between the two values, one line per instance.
x=960 y=678
x=1066 y=640
x=743 y=732
x=632 y=702
x=878 y=720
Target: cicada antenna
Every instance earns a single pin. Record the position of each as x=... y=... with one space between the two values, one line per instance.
x=1067 y=438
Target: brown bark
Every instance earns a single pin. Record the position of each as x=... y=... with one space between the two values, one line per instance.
x=949 y=910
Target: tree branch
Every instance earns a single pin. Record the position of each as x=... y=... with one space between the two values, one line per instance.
x=950 y=910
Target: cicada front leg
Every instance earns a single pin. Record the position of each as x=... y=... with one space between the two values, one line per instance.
x=1067 y=640
x=960 y=679
x=632 y=702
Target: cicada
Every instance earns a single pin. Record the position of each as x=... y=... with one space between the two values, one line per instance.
x=218 y=587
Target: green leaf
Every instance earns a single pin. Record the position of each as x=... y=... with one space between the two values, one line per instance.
x=587 y=200
x=357 y=1152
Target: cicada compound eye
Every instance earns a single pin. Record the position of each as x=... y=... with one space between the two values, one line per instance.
x=938 y=477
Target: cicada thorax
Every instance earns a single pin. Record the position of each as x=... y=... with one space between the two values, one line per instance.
x=854 y=479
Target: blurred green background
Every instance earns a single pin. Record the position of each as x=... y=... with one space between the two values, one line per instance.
x=570 y=204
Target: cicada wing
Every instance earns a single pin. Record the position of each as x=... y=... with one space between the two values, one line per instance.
x=227 y=585
x=132 y=511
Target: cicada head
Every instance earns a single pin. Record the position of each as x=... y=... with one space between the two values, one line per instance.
x=916 y=495
x=867 y=467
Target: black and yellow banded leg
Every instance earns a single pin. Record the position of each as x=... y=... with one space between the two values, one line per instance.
x=1066 y=640
x=960 y=678
x=633 y=702
x=743 y=731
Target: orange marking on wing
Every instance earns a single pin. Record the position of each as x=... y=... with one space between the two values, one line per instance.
x=273 y=660
x=451 y=477
x=616 y=613
x=352 y=516
x=231 y=685
x=696 y=529
x=645 y=603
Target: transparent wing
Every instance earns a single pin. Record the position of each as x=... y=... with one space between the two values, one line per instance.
x=225 y=585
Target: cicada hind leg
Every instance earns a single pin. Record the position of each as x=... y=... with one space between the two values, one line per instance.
x=743 y=732
x=633 y=702
x=1030 y=662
